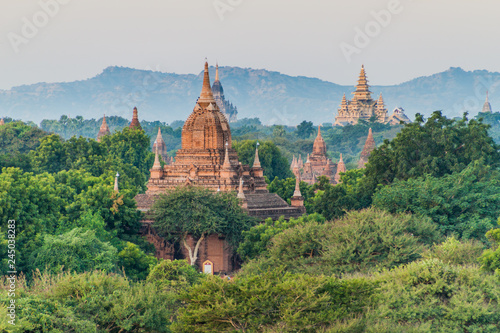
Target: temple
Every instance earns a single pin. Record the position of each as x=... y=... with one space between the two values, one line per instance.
x=134 y=124
x=225 y=107
x=362 y=106
x=317 y=163
x=487 y=105
x=104 y=130
x=207 y=159
x=367 y=150
x=161 y=147
x=398 y=117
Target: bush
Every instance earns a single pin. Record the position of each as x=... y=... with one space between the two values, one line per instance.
x=454 y=252
x=361 y=241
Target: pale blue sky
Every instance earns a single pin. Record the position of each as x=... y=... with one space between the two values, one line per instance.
x=295 y=37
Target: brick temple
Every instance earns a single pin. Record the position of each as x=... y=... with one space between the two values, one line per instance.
x=207 y=159
x=317 y=163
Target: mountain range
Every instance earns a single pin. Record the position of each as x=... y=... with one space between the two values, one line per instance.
x=273 y=97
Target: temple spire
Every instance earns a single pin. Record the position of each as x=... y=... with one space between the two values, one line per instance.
x=2 y=122
x=206 y=95
x=297 y=193
x=104 y=130
x=159 y=138
x=135 y=124
x=116 y=182
x=216 y=71
x=487 y=105
x=340 y=168
x=380 y=102
x=362 y=89
x=157 y=164
x=256 y=162
x=367 y=149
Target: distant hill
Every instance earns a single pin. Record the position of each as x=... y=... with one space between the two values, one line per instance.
x=273 y=97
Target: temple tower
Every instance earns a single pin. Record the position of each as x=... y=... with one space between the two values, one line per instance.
x=161 y=146
x=367 y=150
x=340 y=168
x=487 y=105
x=134 y=124
x=317 y=163
x=225 y=107
x=104 y=130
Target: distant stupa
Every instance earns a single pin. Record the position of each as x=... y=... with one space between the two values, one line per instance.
x=134 y=124
x=104 y=130
x=486 y=105
x=225 y=107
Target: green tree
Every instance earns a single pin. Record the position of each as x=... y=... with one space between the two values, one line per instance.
x=279 y=131
x=134 y=262
x=176 y=273
x=490 y=259
x=272 y=301
x=305 y=129
x=465 y=203
x=271 y=159
x=431 y=296
x=78 y=251
x=286 y=187
x=257 y=240
x=359 y=242
x=437 y=147
x=199 y=212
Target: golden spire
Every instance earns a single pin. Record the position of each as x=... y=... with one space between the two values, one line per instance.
x=2 y=122
x=216 y=72
x=256 y=161
x=206 y=95
x=380 y=103
x=362 y=89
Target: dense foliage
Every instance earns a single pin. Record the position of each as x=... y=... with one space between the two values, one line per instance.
x=406 y=245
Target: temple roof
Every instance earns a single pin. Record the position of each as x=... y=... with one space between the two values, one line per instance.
x=206 y=127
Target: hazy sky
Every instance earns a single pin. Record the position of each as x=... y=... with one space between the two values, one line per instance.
x=82 y=37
